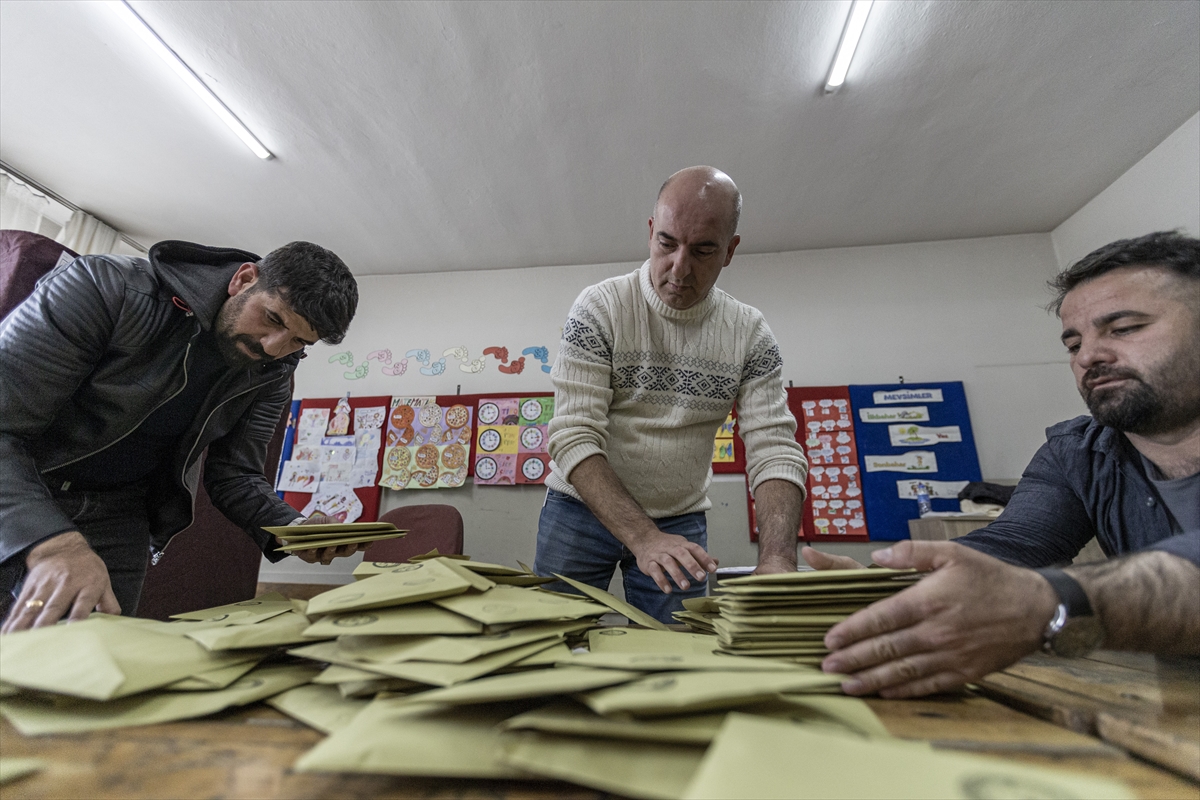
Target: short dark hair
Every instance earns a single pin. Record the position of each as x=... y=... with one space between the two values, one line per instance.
x=315 y=283
x=1170 y=250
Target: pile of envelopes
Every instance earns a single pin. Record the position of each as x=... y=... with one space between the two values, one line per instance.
x=333 y=534
x=446 y=667
x=786 y=615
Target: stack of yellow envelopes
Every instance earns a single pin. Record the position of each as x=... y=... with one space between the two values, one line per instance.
x=333 y=534
x=787 y=615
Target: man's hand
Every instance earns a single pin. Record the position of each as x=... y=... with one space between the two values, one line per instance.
x=325 y=555
x=818 y=560
x=662 y=554
x=65 y=577
x=972 y=616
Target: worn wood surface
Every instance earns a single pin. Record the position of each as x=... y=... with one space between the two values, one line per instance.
x=1145 y=705
x=248 y=753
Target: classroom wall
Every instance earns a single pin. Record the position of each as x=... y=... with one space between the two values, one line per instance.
x=1159 y=192
x=968 y=310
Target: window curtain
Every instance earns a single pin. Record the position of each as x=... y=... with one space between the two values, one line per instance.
x=25 y=209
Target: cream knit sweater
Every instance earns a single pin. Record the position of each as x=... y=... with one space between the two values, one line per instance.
x=647 y=386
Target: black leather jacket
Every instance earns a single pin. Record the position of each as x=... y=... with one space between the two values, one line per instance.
x=99 y=345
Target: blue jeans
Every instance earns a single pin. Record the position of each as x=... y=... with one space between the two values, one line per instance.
x=572 y=542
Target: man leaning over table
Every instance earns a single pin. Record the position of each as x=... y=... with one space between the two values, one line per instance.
x=1128 y=475
x=116 y=374
x=650 y=365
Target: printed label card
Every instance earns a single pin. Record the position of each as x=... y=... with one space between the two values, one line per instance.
x=910 y=435
x=895 y=414
x=912 y=461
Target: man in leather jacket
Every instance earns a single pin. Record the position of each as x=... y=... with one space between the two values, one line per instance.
x=116 y=375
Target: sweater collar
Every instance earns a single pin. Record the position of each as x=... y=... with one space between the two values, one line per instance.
x=663 y=310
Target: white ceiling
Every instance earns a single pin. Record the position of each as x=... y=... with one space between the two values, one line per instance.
x=434 y=136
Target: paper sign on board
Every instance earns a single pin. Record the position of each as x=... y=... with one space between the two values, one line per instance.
x=912 y=461
x=910 y=435
x=908 y=396
x=897 y=414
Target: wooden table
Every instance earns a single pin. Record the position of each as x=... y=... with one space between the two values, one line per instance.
x=248 y=753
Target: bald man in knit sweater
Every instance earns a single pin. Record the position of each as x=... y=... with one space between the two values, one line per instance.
x=649 y=367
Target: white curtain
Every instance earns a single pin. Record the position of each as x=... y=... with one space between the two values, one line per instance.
x=23 y=209
x=85 y=234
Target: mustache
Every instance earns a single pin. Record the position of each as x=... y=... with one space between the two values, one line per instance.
x=1103 y=372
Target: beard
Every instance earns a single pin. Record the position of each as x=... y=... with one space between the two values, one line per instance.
x=227 y=339
x=1164 y=401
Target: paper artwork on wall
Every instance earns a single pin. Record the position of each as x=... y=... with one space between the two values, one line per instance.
x=834 y=506
x=912 y=461
x=335 y=500
x=311 y=428
x=911 y=435
x=907 y=395
x=427 y=445
x=369 y=418
x=723 y=442
x=299 y=476
x=512 y=440
x=339 y=422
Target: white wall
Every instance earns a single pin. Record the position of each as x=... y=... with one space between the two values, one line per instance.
x=968 y=310
x=1159 y=192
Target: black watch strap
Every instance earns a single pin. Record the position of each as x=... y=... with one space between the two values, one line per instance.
x=1069 y=592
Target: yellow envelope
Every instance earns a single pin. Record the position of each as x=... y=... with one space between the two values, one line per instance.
x=516 y=604
x=547 y=658
x=451 y=649
x=685 y=692
x=213 y=679
x=320 y=707
x=817 y=577
x=36 y=717
x=651 y=770
x=391 y=738
x=753 y=757
x=572 y=719
x=638 y=640
x=284 y=629
x=13 y=768
x=102 y=658
x=407 y=583
x=330 y=529
x=417 y=619
x=478 y=582
x=670 y=662
x=247 y=612
x=634 y=615
x=427 y=672
x=525 y=685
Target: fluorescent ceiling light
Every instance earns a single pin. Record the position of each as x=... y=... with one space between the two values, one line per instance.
x=859 y=10
x=147 y=34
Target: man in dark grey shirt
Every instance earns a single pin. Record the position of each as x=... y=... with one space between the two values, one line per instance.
x=1129 y=475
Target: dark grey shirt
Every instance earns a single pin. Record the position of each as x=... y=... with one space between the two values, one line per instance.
x=1087 y=480
x=1182 y=497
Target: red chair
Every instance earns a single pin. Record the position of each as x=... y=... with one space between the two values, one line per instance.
x=428 y=526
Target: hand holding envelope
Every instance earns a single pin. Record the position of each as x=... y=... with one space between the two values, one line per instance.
x=321 y=538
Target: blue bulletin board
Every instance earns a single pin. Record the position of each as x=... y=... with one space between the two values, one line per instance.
x=909 y=433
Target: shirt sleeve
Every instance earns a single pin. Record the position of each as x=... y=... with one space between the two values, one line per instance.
x=582 y=378
x=1184 y=545
x=1044 y=524
x=765 y=424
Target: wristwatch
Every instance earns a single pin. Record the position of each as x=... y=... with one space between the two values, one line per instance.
x=1074 y=630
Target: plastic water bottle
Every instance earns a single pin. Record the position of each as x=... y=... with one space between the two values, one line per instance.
x=924 y=506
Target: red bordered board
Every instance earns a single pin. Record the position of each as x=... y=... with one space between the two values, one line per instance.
x=368 y=495
x=833 y=508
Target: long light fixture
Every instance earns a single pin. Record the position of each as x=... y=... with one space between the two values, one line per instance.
x=147 y=35
x=855 y=23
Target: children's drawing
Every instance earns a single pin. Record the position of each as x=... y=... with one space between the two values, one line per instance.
x=369 y=418
x=359 y=372
x=397 y=368
x=299 y=476
x=499 y=353
x=311 y=427
x=418 y=355
x=335 y=500
x=339 y=422
x=459 y=353
x=384 y=355
x=436 y=368
x=473 y=367
x=346 y=359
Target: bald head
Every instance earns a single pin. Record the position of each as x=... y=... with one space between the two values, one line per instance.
x=705 y=188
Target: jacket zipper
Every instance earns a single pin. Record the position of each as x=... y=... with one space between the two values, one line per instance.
x=183 y=475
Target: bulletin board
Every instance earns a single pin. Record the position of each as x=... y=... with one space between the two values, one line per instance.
x=910 y=433
x=833 y=506
x=513 y=431
x=369 y=495
x=729 y=452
